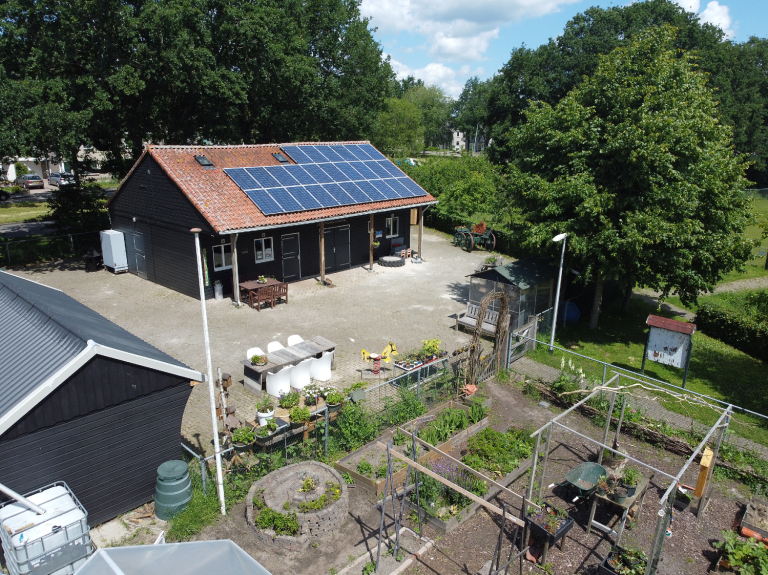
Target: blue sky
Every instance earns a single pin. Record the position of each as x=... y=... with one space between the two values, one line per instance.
x=444 y=42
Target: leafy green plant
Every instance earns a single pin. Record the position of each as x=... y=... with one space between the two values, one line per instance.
x=355 y=427
x=265 y=404
x=280 y=523
x=369 y=568
x=747 y=557
x=348 y=479
x=497 y=452
x=430 y=347
x=334 y=398
x=268 y=429
x=381 y=471
x=290 y=399
x=258 y=359
x=476 y=410
x=406 y=407
x=631 y=476
x=243 y=435
x=365 y=468
x=399 y=437
x=299 y=414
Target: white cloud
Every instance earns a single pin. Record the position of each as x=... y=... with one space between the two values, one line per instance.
x=718 y=15
x=437 y=74
x=454 y=30
x=714 y=13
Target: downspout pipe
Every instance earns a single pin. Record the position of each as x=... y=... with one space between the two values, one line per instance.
x=21 y=499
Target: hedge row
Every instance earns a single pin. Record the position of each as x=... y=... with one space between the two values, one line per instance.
x=507 y=242
x=740 y=330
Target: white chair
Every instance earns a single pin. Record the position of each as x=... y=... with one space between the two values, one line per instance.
x=321 y=368
x=294 y=339
x=253 y=351
x=274 y=346
x=300 y=374
x=279 y=383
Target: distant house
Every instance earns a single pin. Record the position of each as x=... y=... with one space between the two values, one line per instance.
x=274 y=210
x=83 y=401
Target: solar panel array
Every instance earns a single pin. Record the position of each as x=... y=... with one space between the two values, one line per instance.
x=324 y=177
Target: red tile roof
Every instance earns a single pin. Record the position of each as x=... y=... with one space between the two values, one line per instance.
x=224 y=205
x=671 y=324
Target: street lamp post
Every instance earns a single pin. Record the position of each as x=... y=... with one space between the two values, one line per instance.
x=216 y=447
x=557 y=238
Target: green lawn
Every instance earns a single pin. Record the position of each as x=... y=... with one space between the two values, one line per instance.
x=716 y=369
x=754 y=268
x=23 y=212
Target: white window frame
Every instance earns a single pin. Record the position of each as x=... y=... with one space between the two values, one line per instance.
x=259 y=247
x=223 y=248
x=388 y=226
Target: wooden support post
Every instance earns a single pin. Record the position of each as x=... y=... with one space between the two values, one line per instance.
x=235 y=270
x=421 y=229
x=322 y=253
x=370 y=246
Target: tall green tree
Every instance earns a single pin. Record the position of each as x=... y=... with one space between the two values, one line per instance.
x=398 y=130
x=435 y=108
x=635 y=165
x=471 y=110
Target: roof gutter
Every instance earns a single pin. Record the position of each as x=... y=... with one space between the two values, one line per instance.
x=91 y=350
x=318 y=220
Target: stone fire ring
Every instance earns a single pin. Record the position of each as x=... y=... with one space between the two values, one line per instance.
x=283 y=485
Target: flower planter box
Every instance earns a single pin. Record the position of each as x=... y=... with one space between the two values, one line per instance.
x=540 y=532
x=377 y=485
x=749 y=521
x=446 y=526
x=604 y=568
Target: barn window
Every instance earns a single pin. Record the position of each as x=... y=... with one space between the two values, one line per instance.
x=222 y=257
x=262 y=247
x=392 y=226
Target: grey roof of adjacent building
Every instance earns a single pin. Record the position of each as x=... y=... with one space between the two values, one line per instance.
x=42 y=330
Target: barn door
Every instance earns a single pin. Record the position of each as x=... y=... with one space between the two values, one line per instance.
x=291 y=257
x=138 y=260
x=337 y=254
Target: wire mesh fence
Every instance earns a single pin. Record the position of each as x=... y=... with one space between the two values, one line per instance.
x=45 y=248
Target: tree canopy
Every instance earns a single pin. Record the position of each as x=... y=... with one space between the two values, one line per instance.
x=398 y=130
x=114 y=74
x=435 y=109
x=471 y=109
x=636 y=167
x=737 y=72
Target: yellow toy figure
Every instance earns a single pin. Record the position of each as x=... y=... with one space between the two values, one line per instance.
x=377 y=358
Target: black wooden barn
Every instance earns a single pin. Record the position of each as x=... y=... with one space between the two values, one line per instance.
x=282 y=222
x=83 y=401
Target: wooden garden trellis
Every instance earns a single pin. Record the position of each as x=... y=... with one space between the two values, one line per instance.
x=475 y=366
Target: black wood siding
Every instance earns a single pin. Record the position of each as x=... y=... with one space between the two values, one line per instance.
x=109 y=458
x=164 y=215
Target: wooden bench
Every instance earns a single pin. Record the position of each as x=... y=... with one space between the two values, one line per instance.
x=468 y=319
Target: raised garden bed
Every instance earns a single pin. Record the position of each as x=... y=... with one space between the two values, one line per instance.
x=373 y=454
x=755 y=520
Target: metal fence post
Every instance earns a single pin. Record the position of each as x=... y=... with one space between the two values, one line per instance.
x=327 y=422
x=418 y=383
x=8 y=252
x=72 y=243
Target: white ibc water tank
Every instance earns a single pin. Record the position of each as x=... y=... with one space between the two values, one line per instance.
x=56 y=542
x=113 y=250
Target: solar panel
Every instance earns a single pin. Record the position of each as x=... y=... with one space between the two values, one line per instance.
x=262 y=177
x=363 y=170
x=283 y=197
x=357 y=152
x=353 y=190
x=242 y=179
x=372 y=152
x=300 y=174
x=330 y=153
x=265 y=202
x=282 y=175
x=296 y=153
x=324 y=176
x=305 y=199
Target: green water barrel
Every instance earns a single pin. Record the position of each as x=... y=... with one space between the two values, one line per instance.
x=173 y=489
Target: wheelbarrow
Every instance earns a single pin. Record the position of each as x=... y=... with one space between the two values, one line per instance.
x=584 y=478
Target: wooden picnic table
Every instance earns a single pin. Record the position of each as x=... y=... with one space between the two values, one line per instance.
x=254 y=287
x=254 y=375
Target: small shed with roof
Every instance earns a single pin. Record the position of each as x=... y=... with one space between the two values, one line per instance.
x=84 y=401
x=289 y=211
x=528 y=283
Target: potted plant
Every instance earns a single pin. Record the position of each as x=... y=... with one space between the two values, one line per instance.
x=334 y=400
x=265 y=409
x=602 y=485
x=299 y=416
x=375 y=244
x=622 y=561
x=620 y=495
x=313 y=392
x=261 y=279
x=429 y=349
x=265 y=432
x=611 y=480
x=242 y=438
x=549 y=523
x=682 y=499
x=630 y=479
x=259 y=359
x=290 y=399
